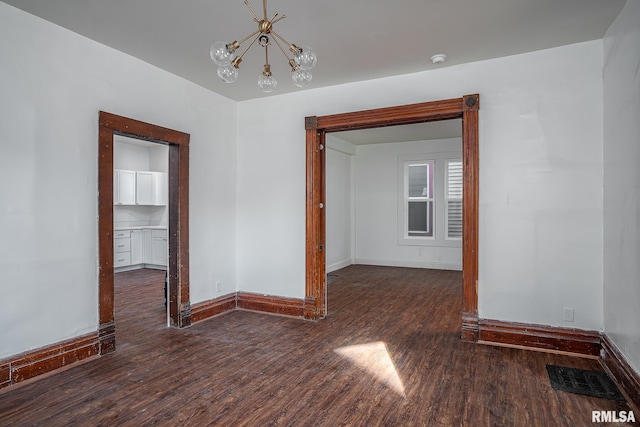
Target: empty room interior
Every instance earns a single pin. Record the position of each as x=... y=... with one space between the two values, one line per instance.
x=362 y=213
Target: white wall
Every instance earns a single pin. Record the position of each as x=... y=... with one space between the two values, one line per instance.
x=340 y=203
x=377 y=216
x=540 y=179
x=159 y=158
x=622 y=183
x=53 y=84
x=130 y=156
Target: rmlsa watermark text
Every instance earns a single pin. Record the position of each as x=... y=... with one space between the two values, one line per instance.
x=613 y=417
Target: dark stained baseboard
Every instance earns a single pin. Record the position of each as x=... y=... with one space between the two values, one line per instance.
x=549 y=338
x=470 y=327
x=204 y=310
x=270 y=304
x=47 y=359
x=107 y=338
x=248 y=301
x=618 y=367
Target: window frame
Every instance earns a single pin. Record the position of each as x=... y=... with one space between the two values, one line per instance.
x=439 y=160
x=431 y=225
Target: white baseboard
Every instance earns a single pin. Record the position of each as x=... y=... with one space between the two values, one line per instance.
x=338 y=265
x=138 y=267
x=411 y=264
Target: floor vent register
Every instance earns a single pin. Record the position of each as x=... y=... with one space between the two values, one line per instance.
x=589 y=383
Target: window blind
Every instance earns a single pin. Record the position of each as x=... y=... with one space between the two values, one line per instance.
x=454 y=199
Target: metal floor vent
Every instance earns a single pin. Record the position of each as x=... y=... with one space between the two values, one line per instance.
x=331 y=277
x=578 y=381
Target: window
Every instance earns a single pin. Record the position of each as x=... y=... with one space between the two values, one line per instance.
x=430 y=199
x=453 y=196
x=419 y=199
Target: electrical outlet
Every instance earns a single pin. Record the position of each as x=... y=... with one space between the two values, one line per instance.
x=218 y=286
x=567 y=314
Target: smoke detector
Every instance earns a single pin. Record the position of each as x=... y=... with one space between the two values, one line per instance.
x=438 y=58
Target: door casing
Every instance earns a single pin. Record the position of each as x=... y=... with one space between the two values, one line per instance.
x=179 y=306
x=465 y=108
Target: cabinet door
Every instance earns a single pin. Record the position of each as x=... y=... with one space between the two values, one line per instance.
x=160 y=248
x=144 y=188
x=162 y=188
x=126 y=187
x=147 y=247
x=136 y=247
x=122 y=259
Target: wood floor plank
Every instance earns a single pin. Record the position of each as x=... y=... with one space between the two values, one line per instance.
x=389 y=353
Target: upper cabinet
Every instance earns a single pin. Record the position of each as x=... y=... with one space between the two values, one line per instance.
x=151 y=188
x=124 y=187
x=140 y=188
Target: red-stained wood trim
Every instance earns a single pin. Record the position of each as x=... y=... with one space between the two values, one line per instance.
x=540 y=337
x=5 y=374
x=392 y=116
x=143 y=130
x=465 y=108
x=617 y=367
x=107 y=337
x=470 y=203
x=47 y=359
x=470 y=327
x=105 y=225
x=207 y=309
x=271 y=304
x=310 y=308
x=248 y=301
x=314 y=308
x=179 y=305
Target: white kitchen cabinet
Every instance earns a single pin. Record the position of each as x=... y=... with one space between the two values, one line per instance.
x=159 y=247
x=147 y=245
x=124 y=187
x=121 y=234
x=122 y=245
x=136 y=247
x=151 y=188
x=162 y=188
x=140 y=248
x=121 y=249
x=122 y=259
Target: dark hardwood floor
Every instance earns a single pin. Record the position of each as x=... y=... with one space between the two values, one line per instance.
x=388 y=354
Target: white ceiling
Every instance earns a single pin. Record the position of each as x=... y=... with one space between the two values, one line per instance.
x=355 y=39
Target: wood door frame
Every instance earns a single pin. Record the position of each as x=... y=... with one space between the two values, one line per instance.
x=465 y=108
x=178 y=143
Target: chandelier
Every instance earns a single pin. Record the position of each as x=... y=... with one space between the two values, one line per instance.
x=302 y=59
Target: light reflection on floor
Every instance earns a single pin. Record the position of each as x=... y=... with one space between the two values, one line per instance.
x=375 y=359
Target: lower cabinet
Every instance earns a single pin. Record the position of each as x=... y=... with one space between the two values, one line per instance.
x=138 y=247
x=147 y=240
x=121 y=249
x=159 y=247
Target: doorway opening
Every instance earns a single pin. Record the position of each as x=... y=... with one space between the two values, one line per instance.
x=140 y=217
x=179 y=307
x=394 y=198
x=465 y=108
